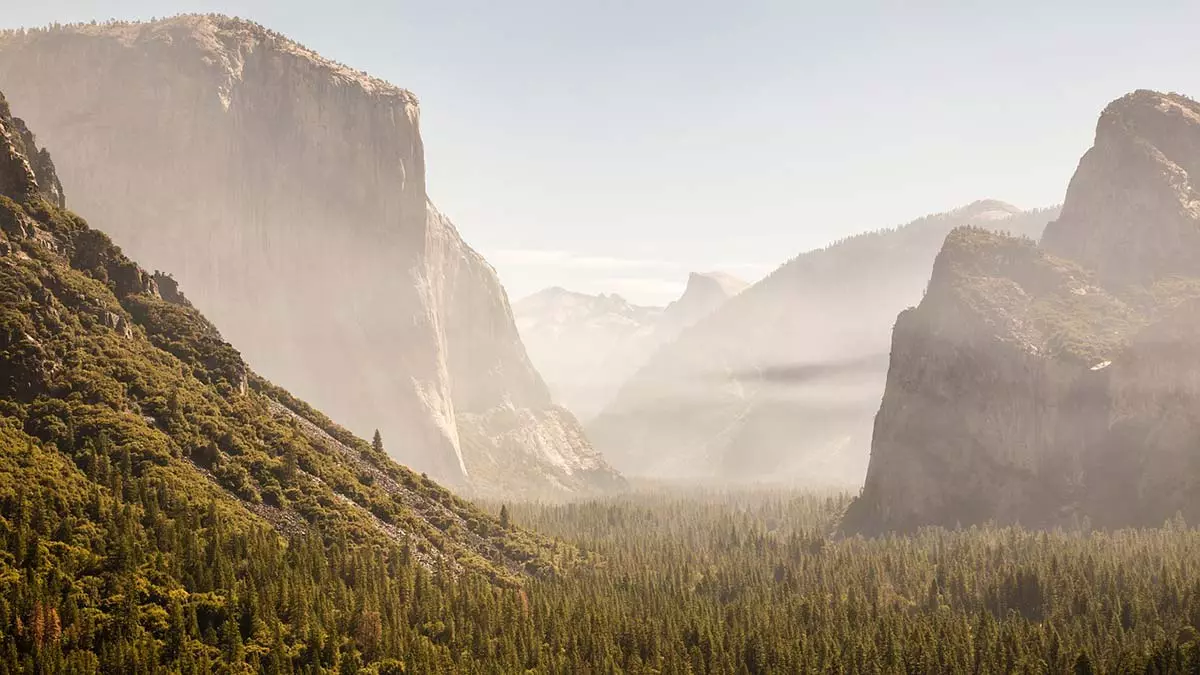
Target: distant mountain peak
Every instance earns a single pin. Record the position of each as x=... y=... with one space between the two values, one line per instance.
x=705 y=281
x=586 y=346
x=705 y=292
x=705 y=406
x=555 y=303
x=988 y=210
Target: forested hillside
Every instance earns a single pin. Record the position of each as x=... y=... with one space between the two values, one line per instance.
x=1034 y=482
x=165 y=510
x=751 y=582
x=161 y=504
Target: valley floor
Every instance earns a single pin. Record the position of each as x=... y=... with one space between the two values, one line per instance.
x=651 y=582
x=754 y=582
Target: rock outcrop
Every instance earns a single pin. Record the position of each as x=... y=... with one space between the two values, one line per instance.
x=1057 y=384
x=1131 y=208
x=17 y=179
x=781 y=382
x=25 y=169
x=287 y=194
x=587 y=346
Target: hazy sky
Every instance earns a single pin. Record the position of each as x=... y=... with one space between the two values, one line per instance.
x=614 y=145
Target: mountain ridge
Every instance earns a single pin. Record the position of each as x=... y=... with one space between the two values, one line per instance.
x=587 y=345
x=781 y=382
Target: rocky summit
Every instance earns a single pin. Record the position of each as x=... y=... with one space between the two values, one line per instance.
x=1131 y=208
x=286 y=193
x=781 y=382
x=1057 y=383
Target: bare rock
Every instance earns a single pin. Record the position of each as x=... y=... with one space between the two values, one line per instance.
x=1133 y=205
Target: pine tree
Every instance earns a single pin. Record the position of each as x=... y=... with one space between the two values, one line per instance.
x=1083 y=664
x=505 y=521
x=377 y=442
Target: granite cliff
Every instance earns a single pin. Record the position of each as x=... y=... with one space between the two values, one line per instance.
x=587 y=346
x=1131 y=208
x=1057 y=383
x=106 y=380
x=781 y=382
x=287 y=194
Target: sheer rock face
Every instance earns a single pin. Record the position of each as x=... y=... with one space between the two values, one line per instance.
x=1029 y=388
x=991 y=399
x=1132 y=208
x=587 y=346
x=287 y=194
x=781 y=382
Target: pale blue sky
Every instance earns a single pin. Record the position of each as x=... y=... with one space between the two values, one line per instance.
x=617 y=144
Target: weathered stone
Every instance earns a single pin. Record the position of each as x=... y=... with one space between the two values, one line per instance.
x=119 y=324
x=168 y=289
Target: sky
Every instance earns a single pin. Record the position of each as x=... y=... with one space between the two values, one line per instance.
x=616 y=145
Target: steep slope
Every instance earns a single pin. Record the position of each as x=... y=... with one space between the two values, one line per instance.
x=147 y=475
x=586 y=346
x=287 y=193
x=1029 y=387
x=781 y=382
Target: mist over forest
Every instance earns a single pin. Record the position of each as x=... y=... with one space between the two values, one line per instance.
x=265 y=407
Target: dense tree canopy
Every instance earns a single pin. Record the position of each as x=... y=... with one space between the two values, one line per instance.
x=163 y=509
x=101 y=571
